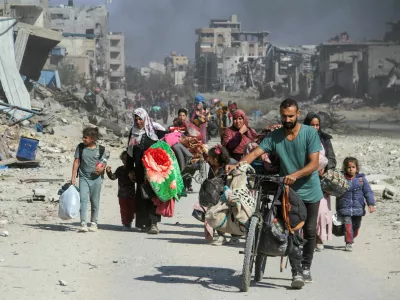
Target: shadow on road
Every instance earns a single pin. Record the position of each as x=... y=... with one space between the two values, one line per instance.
x=337 y=248
x=183 y=241
x=187 y=233
x=218 y=279
x=55 y=227
x=185 y=225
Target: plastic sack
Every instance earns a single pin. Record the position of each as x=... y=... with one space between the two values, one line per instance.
x=338 y=226
x=70 y=204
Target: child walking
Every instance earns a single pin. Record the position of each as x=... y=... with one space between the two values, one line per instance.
x=126 y=192
x=89 y=164
x=352 y=203
x=218 y=158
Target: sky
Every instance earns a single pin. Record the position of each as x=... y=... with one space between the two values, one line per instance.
x=155 y=28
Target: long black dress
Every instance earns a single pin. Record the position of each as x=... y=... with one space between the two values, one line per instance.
x=145 y=209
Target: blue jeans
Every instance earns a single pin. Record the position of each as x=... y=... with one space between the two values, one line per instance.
x=89 y=189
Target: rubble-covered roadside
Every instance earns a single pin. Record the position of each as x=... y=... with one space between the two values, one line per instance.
x=59 y=131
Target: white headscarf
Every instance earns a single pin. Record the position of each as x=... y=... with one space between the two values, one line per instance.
x=148 y=129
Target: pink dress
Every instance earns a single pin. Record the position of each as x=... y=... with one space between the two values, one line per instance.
x=324 y=220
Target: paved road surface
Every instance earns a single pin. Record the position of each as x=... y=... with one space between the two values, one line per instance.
x=178 y=263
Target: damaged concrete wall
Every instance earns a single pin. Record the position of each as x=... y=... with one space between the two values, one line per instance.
x=10 y=78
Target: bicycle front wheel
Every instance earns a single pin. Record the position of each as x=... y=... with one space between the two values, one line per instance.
x=249 y=254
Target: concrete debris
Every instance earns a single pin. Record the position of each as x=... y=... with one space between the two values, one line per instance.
x=3 y=222
x=4 y=234
x=62 y=283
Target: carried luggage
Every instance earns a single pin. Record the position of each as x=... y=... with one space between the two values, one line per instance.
x=338 y=227
x=211 y=191
x=70 y=204
x=334 y=183
x=286 y=215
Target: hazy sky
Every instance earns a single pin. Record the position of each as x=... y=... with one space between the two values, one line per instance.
x=154 y=28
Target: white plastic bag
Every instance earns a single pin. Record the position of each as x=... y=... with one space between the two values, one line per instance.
x=70 y=204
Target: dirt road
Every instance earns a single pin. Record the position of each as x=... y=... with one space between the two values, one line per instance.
x=178 y=263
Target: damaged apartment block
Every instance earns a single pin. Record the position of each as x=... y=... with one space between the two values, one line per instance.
x=87 y=45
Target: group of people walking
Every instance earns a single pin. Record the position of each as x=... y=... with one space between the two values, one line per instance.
x=301 y=152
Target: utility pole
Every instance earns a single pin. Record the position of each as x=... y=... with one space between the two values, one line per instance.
x=223 y=70
x=206 y=74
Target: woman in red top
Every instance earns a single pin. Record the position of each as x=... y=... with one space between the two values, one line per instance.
x=237 y=136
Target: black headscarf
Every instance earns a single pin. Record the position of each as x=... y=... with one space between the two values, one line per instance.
x=322 y=135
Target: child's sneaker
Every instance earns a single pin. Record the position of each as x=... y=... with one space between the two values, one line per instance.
x=219 y=241
x=234 y=241
x=153 y=229
x=83 y=227
x=349 y=247
x=93 y=227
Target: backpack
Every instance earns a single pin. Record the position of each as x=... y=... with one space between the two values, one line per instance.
x=81 y=146
x=294 y=210
x=286 y=215
x=210 y=191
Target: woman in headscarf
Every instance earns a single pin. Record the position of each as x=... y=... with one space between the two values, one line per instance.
x=324 y=221
x=143 y=134
x=199 y=119
x=238 y=135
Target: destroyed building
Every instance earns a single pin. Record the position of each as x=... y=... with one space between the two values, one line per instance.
x=177 y=66
x=88 y=45
x=117 y=59
x=288 y=71
x=25 y=46
x=222 y=48
x=355 y=69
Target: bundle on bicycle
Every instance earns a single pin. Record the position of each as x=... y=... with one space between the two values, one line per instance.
x=273 y=228
x=236 y=205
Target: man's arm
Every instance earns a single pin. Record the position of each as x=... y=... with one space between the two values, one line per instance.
x=311 y=167
x=253 y=155
x=249 y=158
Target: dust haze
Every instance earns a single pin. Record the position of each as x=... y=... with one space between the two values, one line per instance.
x=154 y=28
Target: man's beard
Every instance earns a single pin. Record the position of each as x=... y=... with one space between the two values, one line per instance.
x=289 y=125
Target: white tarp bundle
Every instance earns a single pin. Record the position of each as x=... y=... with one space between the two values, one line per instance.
x=10 y=78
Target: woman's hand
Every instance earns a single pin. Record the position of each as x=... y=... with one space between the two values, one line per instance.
x=243 y=129
x=108 y=169
x=372 y=209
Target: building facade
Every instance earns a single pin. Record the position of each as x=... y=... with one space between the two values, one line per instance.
x=117 y=58
x=221 y=48
x=32 y=12
x=356 y=69
x=106 y=62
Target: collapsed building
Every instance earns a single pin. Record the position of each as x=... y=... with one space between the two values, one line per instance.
x=222 y=47
x=368 y=70
x=26 y=42
x=87 y=45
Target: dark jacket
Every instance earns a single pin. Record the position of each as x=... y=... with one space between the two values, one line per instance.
x=352 y=203
x=325 y=141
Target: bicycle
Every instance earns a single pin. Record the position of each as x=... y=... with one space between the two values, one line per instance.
x=265 y=188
